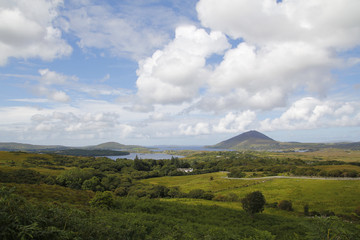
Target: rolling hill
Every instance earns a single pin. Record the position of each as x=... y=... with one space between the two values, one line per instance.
x=12 y=146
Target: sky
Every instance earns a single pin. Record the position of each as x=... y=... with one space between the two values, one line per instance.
x=178 y=72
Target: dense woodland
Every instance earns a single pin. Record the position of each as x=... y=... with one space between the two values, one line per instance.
x=75 y=197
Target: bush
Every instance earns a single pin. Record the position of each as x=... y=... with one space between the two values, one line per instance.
x=253 y=202
x=121 y=191
x=306 y=210
x=236 y=173
x=200 y=194
x=285 y=205
x=174 y=192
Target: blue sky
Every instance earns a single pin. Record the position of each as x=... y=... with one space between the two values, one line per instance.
x=183 y=72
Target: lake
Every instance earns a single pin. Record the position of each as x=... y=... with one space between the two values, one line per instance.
x=160 y=148
x=155 y=156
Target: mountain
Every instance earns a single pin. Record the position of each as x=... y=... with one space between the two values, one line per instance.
x=249 y=140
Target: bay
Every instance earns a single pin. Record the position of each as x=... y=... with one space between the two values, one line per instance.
x=155 y=156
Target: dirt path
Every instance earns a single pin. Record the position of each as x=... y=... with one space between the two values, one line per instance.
x=299 y=177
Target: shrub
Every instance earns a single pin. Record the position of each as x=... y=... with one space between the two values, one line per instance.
x=200 y=194
x=174 y=192
x=285 y=205
x=306 y=210
x=236 y=173
x=120 y=191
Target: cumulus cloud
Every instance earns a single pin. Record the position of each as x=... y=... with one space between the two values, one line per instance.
x=175 y=74
x=27 y=31
x=263 y=78
x=323 y=23
x=198 y=129
x=285 y=48
x=234 y=123
x=230 y=123
x=53 y=78
x=311 y=113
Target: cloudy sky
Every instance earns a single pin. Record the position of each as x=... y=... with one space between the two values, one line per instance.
x=186 y=72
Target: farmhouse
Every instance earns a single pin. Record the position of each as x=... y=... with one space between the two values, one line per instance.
x=185 y=170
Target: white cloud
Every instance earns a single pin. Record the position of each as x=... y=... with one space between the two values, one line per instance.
x=324 y=23
x=59 y=96
x=175 y=74
x=235 y=123
x=125 y=29
x=27 y=30
x=311 y=113
x=198 y=129
x=71 y=124
x=46 y=81
x=53 y=78
x=286 y=46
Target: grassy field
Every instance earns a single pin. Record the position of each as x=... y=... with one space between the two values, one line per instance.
x=341 y=197
x=329 y=154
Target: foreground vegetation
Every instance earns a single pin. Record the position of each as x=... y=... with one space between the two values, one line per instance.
x=50 y=196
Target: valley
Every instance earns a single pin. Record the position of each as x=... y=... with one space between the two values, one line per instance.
x=67 y=193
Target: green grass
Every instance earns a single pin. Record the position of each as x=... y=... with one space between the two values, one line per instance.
x=328 y=154
x=341 y=197
x=338 y=167
x=202 y=181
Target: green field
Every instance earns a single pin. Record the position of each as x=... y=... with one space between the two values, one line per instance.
x=328 y=154
x=339 y=196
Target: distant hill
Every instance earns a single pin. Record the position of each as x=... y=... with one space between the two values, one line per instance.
x=248 y=140
x=117 y=146
x=11 y=146
x=108 y=145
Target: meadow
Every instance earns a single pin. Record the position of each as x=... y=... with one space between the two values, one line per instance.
x=338 y=196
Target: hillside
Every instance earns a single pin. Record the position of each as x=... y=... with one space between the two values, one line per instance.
x=11 y=146
x=117 y=146
x=248 y=140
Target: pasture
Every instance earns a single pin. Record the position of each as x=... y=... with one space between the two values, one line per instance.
x=338 y=196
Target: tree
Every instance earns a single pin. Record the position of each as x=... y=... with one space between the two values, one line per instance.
x=253 y=202
x=102 y=200
x=74 y=178
x=92 y=184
